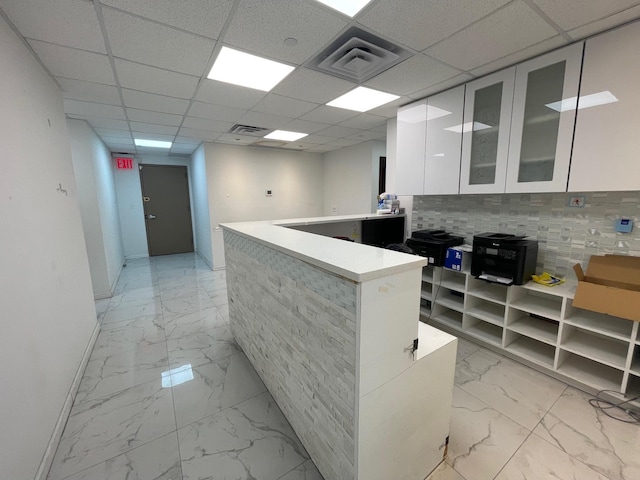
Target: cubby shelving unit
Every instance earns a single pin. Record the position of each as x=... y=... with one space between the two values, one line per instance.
x=537 y=324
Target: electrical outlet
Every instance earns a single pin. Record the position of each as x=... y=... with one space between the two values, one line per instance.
x=268 y=193
x=577 y=201
x=334 y=209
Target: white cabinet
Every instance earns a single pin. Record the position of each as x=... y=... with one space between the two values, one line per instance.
x=485 y=133
x=444 y=142
x=411 y=135
x=607 y=140
x=542 y=121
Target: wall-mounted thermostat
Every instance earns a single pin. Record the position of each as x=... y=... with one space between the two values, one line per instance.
x=268 y=193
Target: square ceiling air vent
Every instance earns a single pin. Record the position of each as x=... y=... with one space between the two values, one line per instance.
x=239 y=129
x=358 y=56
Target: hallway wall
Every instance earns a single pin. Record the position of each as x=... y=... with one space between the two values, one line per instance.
x=47 y=313
x=200 y=198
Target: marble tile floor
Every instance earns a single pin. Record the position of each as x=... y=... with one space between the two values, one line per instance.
x=168 y=395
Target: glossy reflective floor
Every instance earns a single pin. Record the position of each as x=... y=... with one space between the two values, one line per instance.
x=168 y=395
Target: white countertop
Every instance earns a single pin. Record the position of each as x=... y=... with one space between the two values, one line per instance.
x=351 y=260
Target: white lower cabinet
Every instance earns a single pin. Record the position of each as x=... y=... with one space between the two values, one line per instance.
x=537 y=324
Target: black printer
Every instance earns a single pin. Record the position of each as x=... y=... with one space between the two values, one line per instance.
x=504 y=258
x=433 y=244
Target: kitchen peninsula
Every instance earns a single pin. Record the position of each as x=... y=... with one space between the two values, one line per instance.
x=330 y=325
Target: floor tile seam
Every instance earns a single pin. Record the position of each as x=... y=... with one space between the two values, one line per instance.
x=119 y=454
x=173 y=403
x=219 y=412
x=513 y=455
x=301 y=463
x=204 y=330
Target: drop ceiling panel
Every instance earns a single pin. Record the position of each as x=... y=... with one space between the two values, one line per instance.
x=215 y=112
x=390 y=110
x=317 y=139
x=605 y=24
x=329 y=115
x=158 y=118
x=91 y=109
x=188 y=141
x=96 y=92
x=185 y=146
x=72 y=63
x=205 y=124
x=261 y=27
x=570 y=14
x=413 y=74
x=305 y=84
x=203 y=135
x=153 y=102
x=367 y=135
x=505 y=32
x=72 y=23
x=133 y=38
x=155 y=80
x=337 y=131
x=109 y=123
x=442 y=86
x=322 y=148
x=111 y=133
x=438 y=19
x=257 y=119
x=203 y=17
x=343 y=142
x=364 y=121
x=150 y=128
x=236 y=139
x=117 y=141
x=183 y=151
x=220 y=93
x=285 y=106
x=121 y=148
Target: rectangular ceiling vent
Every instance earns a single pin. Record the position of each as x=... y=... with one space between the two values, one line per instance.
x=358 y=56
x=238 y=129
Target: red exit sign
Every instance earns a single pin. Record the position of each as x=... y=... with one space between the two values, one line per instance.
x=124 y=163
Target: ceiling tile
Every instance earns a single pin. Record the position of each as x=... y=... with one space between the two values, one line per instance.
x=215 y=112
x=188 y=141
x=192 y=144
x=298 y=146
x=506 y=31
x=199 y=16
x=121 y=148
x=257 y=119
x=389 y=110
x=155 y=80
x=329 y=115
x=318 y=139
x=305 y=84
x=72 y=23
x=154 y=117
x=438 y=19
x=570 y=14
x=220 y=93
x=605 y=24
x=108 y=132
x=367 y=135
x=154 y=103
x=91 y=109
x=337 y=131
x=380 y=129
x=261 y=28
x=151 y=128
x=365 y=121
x=182 y=151
x=299 y=125
x=442 y=86
x=205 y=124
x=117 y=141
x=280 y=105
x=156 y=152
x=133 y=38
x=343 y=142
x=109 y=123
x=524 y=54
x=236 y=139
x=322 y=148
x=203 y=135
x=417 y=72
x=72 y=63
x=96 y=92
x=153 y=136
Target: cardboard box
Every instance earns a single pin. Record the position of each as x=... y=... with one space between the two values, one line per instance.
x=611 y=285
x=458 y=258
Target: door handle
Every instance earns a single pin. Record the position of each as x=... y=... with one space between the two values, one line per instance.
x=149 y=217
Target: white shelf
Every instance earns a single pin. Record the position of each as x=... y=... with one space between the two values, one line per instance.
x=449 y=318
x=592 y=373
x=427 y=276
x=534 y=351
x=426 y=295
x=488 y=312
x=453 y=283
x=450 y=301
x=493 y=293
x=536 y=328
x=603 y=324
x=549 y=307
x=487 y=332
x=600 y=349
x=425 y=312
x=567 y=289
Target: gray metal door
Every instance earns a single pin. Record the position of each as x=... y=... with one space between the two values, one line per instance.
x=167 y=211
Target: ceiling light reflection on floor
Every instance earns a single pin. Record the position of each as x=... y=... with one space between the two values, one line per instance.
x=177 y=375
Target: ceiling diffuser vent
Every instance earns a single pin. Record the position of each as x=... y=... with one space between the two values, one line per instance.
x=238 y=129
x=358 y=56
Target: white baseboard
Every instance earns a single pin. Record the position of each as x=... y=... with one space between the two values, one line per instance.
x=133 y=257
x=204 y=260
x=52 y=446
x=219 y=267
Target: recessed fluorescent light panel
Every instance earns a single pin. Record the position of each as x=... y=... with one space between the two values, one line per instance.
x=362 y=99
x=248 y=70
x=586 y=101
x=467 y=127
x=348 y=7
x=140 y=142
x=286 y=136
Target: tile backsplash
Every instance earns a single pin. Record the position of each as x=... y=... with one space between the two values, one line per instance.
x=566 y=234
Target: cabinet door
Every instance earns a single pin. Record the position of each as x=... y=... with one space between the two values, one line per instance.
x=444 y=142
x=485 y=133
x=607 y=139
x=411 y=135
x=542 y=122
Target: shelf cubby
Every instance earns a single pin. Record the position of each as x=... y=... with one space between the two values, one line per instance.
x=635 y=361
x=486 y=311
x=446 y=298
x=591 y=373
x=426 y=295
x=452 y=280
x=488 y=332
x=427 y=274
x=530 y=349
x=450 y=318
x=538 y=303
x=619 y=328
x=487 y=291
x=595 y=347
x=539 y=328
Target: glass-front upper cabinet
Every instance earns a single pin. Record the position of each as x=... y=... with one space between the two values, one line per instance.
x=485 y=133
x=544 y=110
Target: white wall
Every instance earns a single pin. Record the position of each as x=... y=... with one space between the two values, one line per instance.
x=351 y=178
x=93 y=167
x=199 y=194
x=129 y=191
x=237 y=177
x=47 y=314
